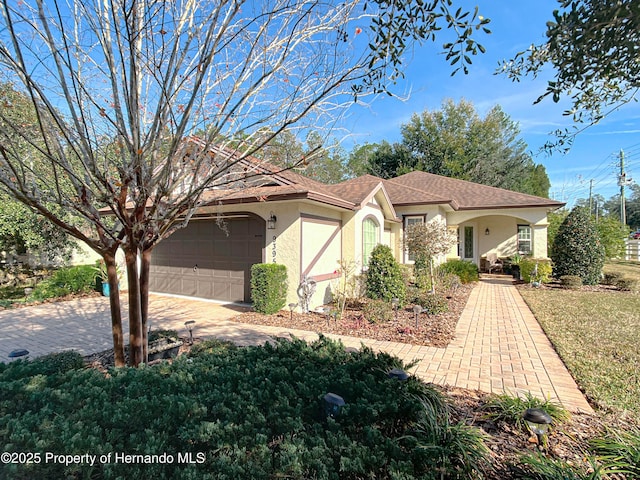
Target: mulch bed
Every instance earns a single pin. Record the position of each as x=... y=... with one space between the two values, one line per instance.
x=433 y=330
x=567 y=442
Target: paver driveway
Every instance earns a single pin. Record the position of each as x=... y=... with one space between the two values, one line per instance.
x=498 y=346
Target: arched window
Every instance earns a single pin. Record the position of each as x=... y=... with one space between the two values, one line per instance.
x=370 y=238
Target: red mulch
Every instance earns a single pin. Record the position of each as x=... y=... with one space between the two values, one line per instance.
x=432 y=330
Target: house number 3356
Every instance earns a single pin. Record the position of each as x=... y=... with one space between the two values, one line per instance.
x=273 y=250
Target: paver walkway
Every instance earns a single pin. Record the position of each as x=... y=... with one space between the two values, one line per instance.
x=498 y=346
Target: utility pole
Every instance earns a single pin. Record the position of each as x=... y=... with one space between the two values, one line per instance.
x=622 y=182
x=591 y=197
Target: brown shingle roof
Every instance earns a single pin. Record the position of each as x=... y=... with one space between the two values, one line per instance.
x=356 y=190
x=460 y=194
x=415 y=188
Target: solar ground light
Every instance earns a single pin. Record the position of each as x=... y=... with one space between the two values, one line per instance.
x=333 y=404
x=291 y=307
x=538 y=422
x=189 y=325
x=398 y=374
x=19 y=353
x=417 y=310
x=395 y=302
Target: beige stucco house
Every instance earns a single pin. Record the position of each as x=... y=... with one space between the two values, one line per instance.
x=310 y=227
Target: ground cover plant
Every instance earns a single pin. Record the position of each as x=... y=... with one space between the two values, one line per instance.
x=63 y=282
x=253 y=412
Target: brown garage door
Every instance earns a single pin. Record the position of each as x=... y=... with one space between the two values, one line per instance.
x=201 y=260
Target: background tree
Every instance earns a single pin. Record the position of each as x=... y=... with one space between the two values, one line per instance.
x=22 y=231
x=612 y=235
x=555 y=219
x=383 y=160
x=456 y=142
x=577 y=249
x=324 y=160
x=425 y=241
x=592 y=47
x=632 y=207
x=116 y=88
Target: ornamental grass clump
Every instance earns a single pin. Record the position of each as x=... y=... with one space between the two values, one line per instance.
x=510 y=408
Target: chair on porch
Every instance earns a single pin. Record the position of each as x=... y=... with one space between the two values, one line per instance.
x=494 y=264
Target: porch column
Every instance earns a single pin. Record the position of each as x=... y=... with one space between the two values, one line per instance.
x=455 y=230
x=539 y=234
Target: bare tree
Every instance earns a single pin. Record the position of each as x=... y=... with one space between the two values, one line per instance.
x=425 y=241
x=119 y=88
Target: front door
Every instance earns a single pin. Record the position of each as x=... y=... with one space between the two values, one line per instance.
x=467 y=243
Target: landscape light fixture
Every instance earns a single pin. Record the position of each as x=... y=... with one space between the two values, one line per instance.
x=19 y=353
x=333 y=404
x=398 y=374
x=189 y=325
x=271 y=221
x=395 y=302
x=538 y=422
x=291 y=307
x=417 y=310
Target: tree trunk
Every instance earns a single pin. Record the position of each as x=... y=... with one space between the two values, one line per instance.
x=116 y=314
x=135 y=310
x=144 y=299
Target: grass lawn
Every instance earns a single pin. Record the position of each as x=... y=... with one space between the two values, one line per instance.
x=597 y=334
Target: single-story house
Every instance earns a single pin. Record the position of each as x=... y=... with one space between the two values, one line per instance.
x=308 y=226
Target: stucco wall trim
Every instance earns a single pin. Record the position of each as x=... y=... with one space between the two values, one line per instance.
x=337 y=224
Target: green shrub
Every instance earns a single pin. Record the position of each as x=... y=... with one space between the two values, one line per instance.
x=612 y=235
x=577 y=249
x=268 y=287
x=254 y=412
x=378 y=311
x=51 y=364
x=431 y=303
x=466 y=271
x=571 y=281
x=384 y=277
x=535 y=270
x=627 y=284
x=612 y=278
x=160 y=334
x=446 y=282
x=211 y=347
x=66 y=281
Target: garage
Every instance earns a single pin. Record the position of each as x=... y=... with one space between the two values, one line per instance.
x=209 y=258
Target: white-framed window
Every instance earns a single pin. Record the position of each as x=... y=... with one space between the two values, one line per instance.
x=524 y=240
x=370 y=238
x=408 y=221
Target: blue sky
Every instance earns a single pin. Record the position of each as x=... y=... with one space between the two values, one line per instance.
x=515 y=25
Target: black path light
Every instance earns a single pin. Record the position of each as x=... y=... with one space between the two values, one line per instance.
x=398 y=374
x=396 y=303
x=189 y=326
x=19 y=353
x=333 y=404
x=538 y=422
x=292 y=306
x=417 y=310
